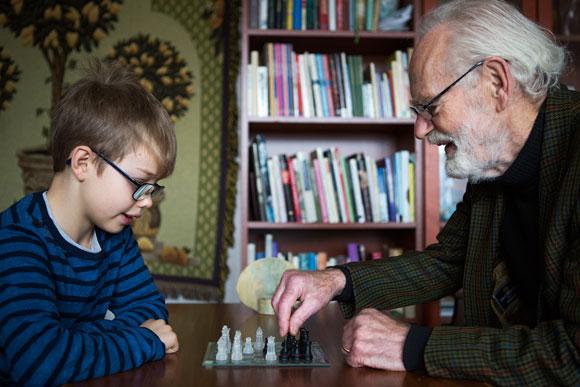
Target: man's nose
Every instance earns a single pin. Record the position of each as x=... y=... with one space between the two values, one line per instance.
x=422 y=127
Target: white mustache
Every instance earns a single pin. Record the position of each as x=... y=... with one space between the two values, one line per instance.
x=437 y=138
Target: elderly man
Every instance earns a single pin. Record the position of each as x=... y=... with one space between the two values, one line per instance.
x=484 y=82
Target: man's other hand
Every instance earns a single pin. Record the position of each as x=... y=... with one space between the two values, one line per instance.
x=373 y=339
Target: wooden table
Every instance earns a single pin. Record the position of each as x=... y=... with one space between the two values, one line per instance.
x=196 y=324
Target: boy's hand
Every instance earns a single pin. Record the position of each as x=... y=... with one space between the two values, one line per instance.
x=165 y=334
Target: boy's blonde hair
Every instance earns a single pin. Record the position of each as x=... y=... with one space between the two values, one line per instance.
x=109 y=111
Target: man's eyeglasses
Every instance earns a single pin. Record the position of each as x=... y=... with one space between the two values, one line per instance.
x=143 y=189
x=425 y=110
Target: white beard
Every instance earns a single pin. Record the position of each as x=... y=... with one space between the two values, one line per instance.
x=480 y=144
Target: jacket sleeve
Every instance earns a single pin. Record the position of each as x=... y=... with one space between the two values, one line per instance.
x=37 y=348
x=414 y=277
x=545 y=355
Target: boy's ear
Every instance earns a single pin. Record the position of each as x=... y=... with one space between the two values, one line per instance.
x=82 y=161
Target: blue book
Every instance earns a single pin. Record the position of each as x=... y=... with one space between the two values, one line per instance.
x=262 y=160
x=297 y=15
x=323 y=84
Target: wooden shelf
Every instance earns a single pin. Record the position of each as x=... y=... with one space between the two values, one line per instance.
x=330 y=226
x=334 y=35
x=569 y=38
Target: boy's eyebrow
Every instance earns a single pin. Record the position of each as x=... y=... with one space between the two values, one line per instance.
x=146 y=172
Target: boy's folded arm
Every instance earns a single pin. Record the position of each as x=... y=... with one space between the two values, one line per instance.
x=136 y=298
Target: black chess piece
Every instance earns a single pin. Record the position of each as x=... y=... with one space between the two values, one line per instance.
x=294 y=351
x=285 y=351
x=304 y=340
x=308 y=352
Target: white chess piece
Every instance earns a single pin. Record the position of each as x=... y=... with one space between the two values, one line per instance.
x=248 y=349
x=237 y=347
x=222 y=350
x=226 y=336
x=271 y=349
x=259 y=343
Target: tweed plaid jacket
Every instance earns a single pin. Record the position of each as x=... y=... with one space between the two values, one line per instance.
x=465 y=256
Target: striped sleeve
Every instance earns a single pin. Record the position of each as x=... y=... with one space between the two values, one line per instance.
x=135 y=298
x=37 y=347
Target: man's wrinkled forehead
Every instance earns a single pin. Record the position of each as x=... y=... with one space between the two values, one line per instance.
x=428 y=64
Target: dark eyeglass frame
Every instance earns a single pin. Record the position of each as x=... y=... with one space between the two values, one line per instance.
x=143 y=189
x=423 y=109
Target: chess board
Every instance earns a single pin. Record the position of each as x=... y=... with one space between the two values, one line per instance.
x=319 y=358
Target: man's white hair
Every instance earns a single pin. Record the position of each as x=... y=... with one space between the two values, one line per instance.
x=483 y=28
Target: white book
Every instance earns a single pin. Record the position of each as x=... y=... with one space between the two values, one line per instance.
x=332 y=15
x=309 y=199
x=273 y=190
x=250 y=91
x=315 y=82
x=333 y=211
x=294 y=69
x=279 y=189
x=338 y=182
x=375 y=90
x=368 y=104
x=305 y=87
x=262 y=86
x=388 y=98
x=263 y=15
x=346 y=84
x=254 y=70
x=404 y=176
x=373 y=189
x=358 y=203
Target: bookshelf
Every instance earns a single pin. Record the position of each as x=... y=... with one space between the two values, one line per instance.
x=373 y=136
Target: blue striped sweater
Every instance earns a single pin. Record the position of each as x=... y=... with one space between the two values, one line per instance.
x=54 y=296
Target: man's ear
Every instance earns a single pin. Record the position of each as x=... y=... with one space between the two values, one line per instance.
x=82 y=161
x=502 y=82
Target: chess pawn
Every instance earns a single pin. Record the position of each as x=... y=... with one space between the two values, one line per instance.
x=295 y=352
x=271 y=353
x=259 y=343
x=308 y=352
x=248 y=349
x=226 y=336
x=284 y=351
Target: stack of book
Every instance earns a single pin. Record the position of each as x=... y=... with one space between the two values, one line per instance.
x=325 y=187
x=332 y=15
x=327 y=85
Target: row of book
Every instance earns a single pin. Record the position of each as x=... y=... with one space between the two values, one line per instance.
x=326 y=187
x=332 y=15
x=310 y=260
x=326 y=85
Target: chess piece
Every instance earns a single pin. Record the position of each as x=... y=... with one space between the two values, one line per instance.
x=237 y=347
x=295 y=351
x=222 y=350
x=248 y=349
x=226 y=336
x=285 y=350
x=304 y=340
x=259 y=343
x=308 y=352
x=271 y=353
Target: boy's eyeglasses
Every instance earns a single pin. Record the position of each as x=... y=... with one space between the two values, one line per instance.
x=143 y=189
x=424 y=110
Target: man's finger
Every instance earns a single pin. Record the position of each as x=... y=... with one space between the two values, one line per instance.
x=284 y=311
x=299 y=316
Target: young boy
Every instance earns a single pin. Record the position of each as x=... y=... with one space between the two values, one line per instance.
x=68 y=257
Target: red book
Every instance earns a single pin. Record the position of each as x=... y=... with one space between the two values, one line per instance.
x=296 y=74
x=320 y=188
x=327 y=86
x=323 y=14
x=340 y=8
x=294 y=189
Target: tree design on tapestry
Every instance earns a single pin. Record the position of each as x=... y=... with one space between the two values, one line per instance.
x=58 y=28
x=160 y=69
x=9 y=75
